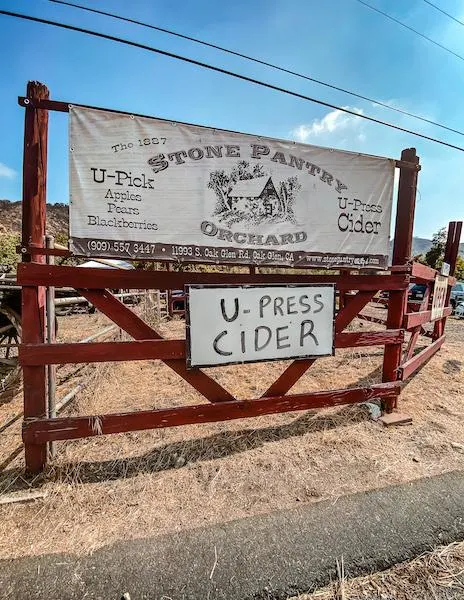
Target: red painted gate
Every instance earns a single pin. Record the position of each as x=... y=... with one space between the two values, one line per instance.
x=34 y=276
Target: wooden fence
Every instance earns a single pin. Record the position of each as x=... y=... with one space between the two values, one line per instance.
x=35 y=276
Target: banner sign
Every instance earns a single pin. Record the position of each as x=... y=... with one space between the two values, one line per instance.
x=241 y=324
x=439 y=297
x=151 y=189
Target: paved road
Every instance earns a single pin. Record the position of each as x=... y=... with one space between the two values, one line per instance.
x=265 y=557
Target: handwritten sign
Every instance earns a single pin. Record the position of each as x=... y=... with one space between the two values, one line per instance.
x=439 y=297
x=240 y=324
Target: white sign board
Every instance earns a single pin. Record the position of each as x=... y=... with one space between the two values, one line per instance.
x=439 y=297
x=238 y=324
x=153 y=189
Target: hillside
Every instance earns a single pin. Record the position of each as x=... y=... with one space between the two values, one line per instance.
x=422 y=245
x=10 y=217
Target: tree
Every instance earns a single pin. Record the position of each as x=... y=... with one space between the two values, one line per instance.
x=8 y=255
x=459 y=272
x=434 y=257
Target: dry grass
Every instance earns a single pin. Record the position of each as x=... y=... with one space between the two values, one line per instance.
x=108 y=488
x=436 y=575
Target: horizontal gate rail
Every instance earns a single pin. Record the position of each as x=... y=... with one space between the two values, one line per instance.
x=62 y=354
x=39 y=431
x=33 y=274
x=414 y=363
x=414 y=319
x=423 y=274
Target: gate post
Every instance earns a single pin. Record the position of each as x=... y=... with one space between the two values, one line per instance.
x=402 y=248
x=33 y=232
x=450 y=257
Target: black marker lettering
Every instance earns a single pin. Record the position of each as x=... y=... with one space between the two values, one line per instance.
x=215 y=344
x=307 y=332
x=223 y=310
x=269 y=335
x=321 y=304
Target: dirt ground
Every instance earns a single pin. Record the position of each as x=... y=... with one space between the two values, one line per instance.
x=438 y=575
x=140 y=484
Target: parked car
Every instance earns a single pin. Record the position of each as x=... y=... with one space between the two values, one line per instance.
x=459 y=311
x=416 y=292
x=457 y=294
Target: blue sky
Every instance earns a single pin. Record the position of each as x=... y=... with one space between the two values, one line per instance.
x=339 y=41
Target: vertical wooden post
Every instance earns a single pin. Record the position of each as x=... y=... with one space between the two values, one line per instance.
x=450 y=257
x=402 y=249
x=169 y=295
x=33 y=232
x=51 y=369
x=454 y=251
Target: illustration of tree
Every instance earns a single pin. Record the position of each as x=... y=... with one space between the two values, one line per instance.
x=288 y=192
x=219 y=182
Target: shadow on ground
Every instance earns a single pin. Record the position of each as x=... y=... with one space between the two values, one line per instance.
x=185 y=453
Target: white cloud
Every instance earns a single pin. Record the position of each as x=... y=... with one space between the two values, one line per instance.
x=7 y=171
x=331 y=125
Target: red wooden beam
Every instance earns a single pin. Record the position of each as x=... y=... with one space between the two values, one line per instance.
x=417 y=330
x=127 y=320
x=402 y=250
x=298 y=368
x=419 y=318
x=43 y=251
x=423 y=272
x=76 y=277
x=33 y=233
x=372 y=319
x=68 y=428
x=62 y=354
x=355 y=339
x=451 y=255
x=414 y=363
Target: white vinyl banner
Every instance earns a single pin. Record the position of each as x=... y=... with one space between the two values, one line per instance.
x=152 y=189
x=237 y=324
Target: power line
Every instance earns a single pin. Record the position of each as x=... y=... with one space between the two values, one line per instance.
x=259 y=61
x=442 y=11
x=410 y=29
x=224 y=72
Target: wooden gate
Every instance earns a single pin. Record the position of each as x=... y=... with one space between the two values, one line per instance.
x=35 y=275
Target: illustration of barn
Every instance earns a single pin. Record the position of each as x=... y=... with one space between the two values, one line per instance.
x=257 y=196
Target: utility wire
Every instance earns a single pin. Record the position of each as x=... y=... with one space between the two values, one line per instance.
x=410 y=29
x=440 y=10
x=225 y=72
x=259 y=61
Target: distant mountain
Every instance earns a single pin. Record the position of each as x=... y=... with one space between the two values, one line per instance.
x=423 y=245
